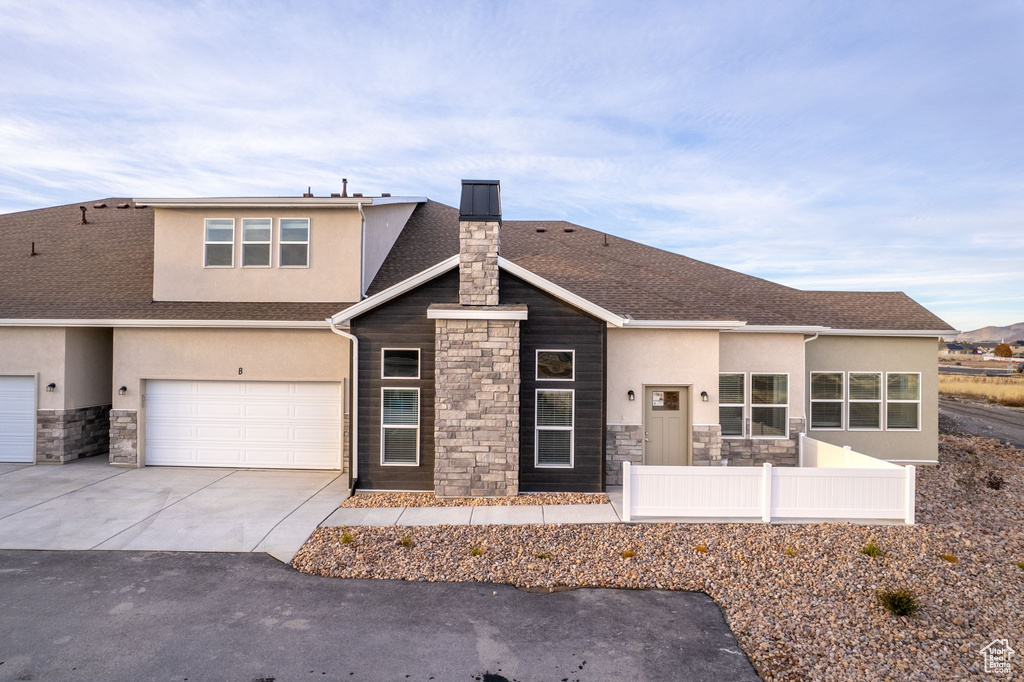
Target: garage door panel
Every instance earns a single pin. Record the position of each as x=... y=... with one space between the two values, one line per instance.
x=17 y=419
x=248 y=424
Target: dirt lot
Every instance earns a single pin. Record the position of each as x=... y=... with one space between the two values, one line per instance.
x=962 y=416
x=800 y=598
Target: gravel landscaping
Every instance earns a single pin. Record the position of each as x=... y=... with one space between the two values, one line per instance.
x=392 y=500
x=801 y=599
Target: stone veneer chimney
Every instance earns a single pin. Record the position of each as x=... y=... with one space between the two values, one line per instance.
x=476 y=363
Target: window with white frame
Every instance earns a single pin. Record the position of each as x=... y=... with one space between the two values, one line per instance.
x=553 y=431
x=865 y=395
x=400 y=363
x=902 y=401
x=256 y=235
x=219 y=243
x=294 y=242
x=556 y=365
x=731 y=400
x=769 y=405
x=827 y=401
x=400 y=426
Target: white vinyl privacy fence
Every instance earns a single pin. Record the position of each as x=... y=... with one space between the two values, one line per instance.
x=831 y=484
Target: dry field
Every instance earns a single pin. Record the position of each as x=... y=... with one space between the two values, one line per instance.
x=1007 y=391
x=978 y=363
x=800 y=598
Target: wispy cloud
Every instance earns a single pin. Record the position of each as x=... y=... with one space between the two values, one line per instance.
x=871 y=145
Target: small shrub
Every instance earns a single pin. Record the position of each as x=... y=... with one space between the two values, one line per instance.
x=872 y=549
x=628 y=554
x=994 y=481
x=701 y=548
x=347 y=538
x=543 y=555
x=407 y=541
x=950 y=558
x=898 y=602
x=1020 y=565
x=789 y=551
x=476 y=551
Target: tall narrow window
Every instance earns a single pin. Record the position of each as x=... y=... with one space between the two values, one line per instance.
x=865 y=401
x=219 y=243
x=731 y=399
x=400 y=426
x=294 y=240
x=902 y=401
x=769 y=405
x=827 y=401
x=553 y=434
x=256 y=233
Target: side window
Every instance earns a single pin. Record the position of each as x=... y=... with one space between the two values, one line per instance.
x=553 y=429
x=400 y=426
x=400 y=363
x=219 y=243
x=294 y=243
x=827 y=401
x=769 y=405
x=731 y=400
x=902 y=401
x=865 y=410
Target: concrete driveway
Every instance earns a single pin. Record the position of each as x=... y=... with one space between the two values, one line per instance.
x=89 y=504
x=143 y=616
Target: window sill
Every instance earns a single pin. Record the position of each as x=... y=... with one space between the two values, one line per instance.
x=399 y=464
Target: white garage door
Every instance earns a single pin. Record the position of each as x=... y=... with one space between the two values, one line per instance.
x=273 y=425
x=17 y=419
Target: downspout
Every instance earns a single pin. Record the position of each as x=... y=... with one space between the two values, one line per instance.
x=354 y=422
x=807 y=399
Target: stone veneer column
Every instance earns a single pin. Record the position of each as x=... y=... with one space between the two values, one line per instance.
x=478 y=262
x=623 y=443
x=66 y=435
x=707 y=445
x=124 y=437
x=476 y=405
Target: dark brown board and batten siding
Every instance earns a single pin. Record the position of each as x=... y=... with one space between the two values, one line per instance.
x=399 y=323
x=554 y=324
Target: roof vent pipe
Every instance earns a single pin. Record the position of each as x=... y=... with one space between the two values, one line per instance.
x=33 y=249
x=335 y=195
x=308 y=194
x=84 y=221
x=344 y=187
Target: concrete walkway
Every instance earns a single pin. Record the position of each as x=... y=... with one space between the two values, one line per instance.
x=476 y=516
x=88 y=504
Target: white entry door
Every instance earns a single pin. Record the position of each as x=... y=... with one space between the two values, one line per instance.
x=17 y=419
x=257 y=424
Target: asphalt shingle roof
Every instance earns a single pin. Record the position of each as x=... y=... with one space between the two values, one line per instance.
x=629 y=278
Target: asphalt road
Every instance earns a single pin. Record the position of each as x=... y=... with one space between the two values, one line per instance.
x=248 y=618
x=999 y=370
x=991 y=421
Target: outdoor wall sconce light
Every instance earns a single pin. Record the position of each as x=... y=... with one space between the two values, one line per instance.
x=50 y=388
x=631 y=395
x=122 y=390
x=704 y=396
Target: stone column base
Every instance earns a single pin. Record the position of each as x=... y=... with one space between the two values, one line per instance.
x=124 y=438
x=66 y=435
x=623 y=443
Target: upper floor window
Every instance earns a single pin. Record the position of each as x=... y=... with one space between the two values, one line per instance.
x=556 y=365
x=903 y=401
x=827 y=401
x=219 y=243
x=400 y=363
x=256 y=234
x=294 y=240
x=769 y=405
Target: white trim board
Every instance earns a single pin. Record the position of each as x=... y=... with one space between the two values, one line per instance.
x=482 y=314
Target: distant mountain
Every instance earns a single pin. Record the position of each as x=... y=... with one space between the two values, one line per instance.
x=1008 y=334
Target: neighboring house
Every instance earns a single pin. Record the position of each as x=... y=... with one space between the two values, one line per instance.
x=485 y=356
x=952 y=350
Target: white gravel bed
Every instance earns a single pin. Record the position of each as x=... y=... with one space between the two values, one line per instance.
x=800 y=598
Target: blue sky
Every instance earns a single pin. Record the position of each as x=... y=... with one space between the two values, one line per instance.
x=827 y=145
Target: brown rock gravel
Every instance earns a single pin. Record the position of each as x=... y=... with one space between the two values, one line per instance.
x=383 y=500
x=809 y=616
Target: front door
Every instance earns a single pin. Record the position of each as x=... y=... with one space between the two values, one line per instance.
x=666 y=432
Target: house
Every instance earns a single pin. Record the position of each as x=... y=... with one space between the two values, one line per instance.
x=420 y=346
x=952 y=349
